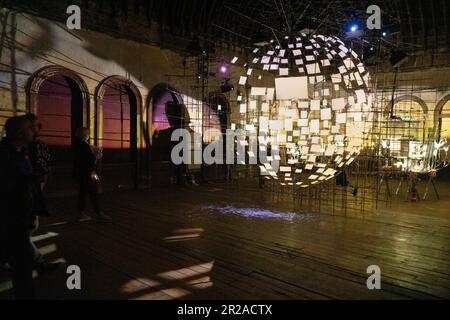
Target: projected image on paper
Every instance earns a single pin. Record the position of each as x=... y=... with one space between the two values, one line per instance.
x=319 y=111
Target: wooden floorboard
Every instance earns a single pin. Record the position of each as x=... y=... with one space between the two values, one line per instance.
x=197 y=243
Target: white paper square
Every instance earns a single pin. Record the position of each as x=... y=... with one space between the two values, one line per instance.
x=303 y=105
x=330 y=150
x=303 y=123
x=258 y=91
x=341 y=118
x=313 y=68
x=284 y=71
x=276 y=124
x=361 y=96
x=338 y=104
x=305 y=130
x=315 y=105
x=315 y=148
x=325 y=114
x=314 y=126
x=336 y=78
x=292 y=88
x=265 y=60
x=264 y=124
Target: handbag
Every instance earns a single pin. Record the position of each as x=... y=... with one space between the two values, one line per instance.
x=94 y=177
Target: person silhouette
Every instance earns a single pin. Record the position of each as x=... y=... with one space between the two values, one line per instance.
x=18 y=199
x=178 y=118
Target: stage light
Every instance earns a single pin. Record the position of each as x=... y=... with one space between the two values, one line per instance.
x=354 y=30
x=223 y=69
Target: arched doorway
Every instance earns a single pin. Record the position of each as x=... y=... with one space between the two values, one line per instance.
x=407 y=119
x=159 y=97
x=60 y=98
x=442 y=118
x=118 y=102
x=404 y=131
x=168 y=112
x=442 y=123
x=118 y=105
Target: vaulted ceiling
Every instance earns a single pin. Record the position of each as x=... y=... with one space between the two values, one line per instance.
x=412 y=24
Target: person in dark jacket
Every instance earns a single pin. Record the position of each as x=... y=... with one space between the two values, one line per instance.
x=17 y=197
x=39 y=153
x=85 y=173
x=40 y=159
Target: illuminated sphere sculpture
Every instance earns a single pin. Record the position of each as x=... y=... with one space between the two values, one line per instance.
x=309 y=97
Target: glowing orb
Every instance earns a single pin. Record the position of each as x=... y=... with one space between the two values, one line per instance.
x=309 y=97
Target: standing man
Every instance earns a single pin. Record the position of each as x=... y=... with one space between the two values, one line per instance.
x=85 y=173
x=39 y=155
x=17 y=197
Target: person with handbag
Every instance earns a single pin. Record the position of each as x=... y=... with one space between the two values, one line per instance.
x=17 y=196
x=86 y=158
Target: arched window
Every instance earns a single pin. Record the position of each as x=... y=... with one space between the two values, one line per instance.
x=60 y=98
x=407 y=120
x=168 y=114
x=160 y=97
x=443 y=118
x=118 y=102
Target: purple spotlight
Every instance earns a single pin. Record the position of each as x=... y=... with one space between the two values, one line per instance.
x=223 y=69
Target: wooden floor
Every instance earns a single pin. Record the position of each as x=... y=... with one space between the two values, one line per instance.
x=224 y=242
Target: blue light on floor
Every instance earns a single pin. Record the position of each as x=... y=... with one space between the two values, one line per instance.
x=258 y=213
